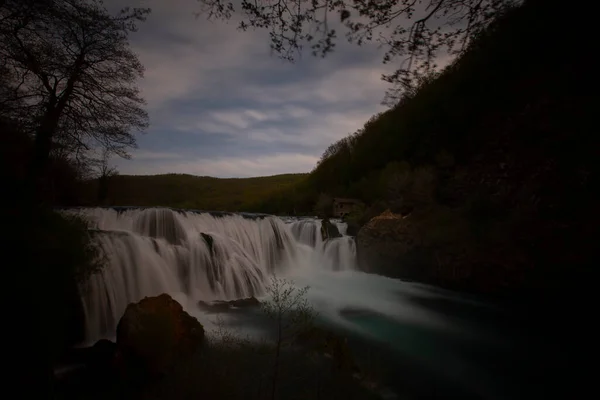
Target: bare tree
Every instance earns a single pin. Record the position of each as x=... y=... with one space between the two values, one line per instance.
x=416 y=31
x=289 y=308
x=103 y=172
x=69 y=76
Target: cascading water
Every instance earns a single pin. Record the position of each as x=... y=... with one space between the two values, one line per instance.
x=196 y=257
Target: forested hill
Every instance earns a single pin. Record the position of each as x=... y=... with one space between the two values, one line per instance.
x=493 y=158
x=510 y=97
x=510 y=106
x=189 y=191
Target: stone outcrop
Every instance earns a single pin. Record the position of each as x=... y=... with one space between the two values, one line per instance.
x=435 y=246
x=329 y=230
x=155 y=335
x=383 y=244
x=223 y=306
x=208 y=239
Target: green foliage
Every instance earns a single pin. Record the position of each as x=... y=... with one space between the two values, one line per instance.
x=262 y=194
x=235 y=366
x=56 y=255
x=288 y=306
x=60 y=183
x=69 y=237
x=480 y=155
x=324 y=206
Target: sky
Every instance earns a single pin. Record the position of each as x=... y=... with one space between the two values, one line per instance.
x=221 y=105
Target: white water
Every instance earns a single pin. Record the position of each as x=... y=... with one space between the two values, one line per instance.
x=154 y=251
x=200 y=257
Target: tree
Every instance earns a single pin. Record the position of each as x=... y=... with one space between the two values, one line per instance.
x=104 y=172
x=289 y=308
x=414 y=30
x=69 y=76
x=324 y=206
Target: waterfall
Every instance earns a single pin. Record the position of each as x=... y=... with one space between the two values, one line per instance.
x=308 y=232
x=196 y=256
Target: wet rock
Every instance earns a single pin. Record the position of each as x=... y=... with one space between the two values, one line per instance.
x=329 y=230
x=222 y=306
x=384 y=242
x=208 y=239
x=154 y=336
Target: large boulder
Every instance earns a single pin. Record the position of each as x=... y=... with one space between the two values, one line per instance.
x=154 y=336
x=329 y=230
x=435 y=246
x=383 y=244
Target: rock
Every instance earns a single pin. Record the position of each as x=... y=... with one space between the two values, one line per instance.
x=208 y=239
x=247 y=302
x=329 y=230
x=383 y=244
x=154 y=336
x=431 y=246
x=222 y=306
x=353 y=227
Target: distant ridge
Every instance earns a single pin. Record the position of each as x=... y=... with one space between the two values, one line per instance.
x=190 y=191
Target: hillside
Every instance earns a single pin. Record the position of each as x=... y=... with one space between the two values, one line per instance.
x=492 y=159
x=188 y=191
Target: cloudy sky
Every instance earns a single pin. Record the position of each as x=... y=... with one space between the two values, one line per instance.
x=221 y=105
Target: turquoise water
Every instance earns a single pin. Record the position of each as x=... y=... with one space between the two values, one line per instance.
x=432 y=343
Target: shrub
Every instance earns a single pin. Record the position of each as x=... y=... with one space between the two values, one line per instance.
x=58 y=256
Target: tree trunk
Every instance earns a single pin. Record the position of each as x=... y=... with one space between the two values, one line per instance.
x=43 y=146
x=41 y=154
x=277 y=351
x=102 y=190
x=47 y=129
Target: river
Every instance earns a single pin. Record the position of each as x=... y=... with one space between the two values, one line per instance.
x=429 y=342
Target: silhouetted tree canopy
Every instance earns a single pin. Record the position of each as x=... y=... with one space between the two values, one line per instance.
x=68 y=76
x=413 y=32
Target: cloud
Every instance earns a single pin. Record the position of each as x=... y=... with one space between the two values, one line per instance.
x=226 y=167
x=221 y=105
x=150 y=155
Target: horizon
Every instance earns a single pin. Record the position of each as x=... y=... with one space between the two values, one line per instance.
x=215 y=177
x=221 y=105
